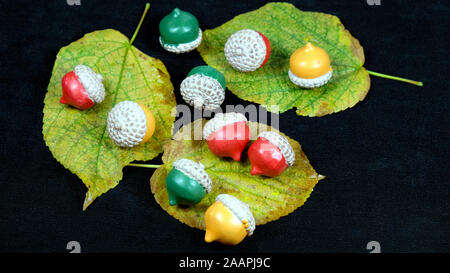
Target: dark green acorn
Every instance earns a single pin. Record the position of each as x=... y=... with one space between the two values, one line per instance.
x=179 y=31
x=187 y=183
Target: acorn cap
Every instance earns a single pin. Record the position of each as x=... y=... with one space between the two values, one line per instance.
x=183 y=47
x=245 y=50
x=240 y=209
x=127 y=124
x=221 y=120
x=282 y=143
x=310 y=83
x=195 y=171
x=203 y=90
x=92 y=83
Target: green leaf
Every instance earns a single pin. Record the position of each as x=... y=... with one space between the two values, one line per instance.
x=268 y=198
x=287 y=29
x=79 y=139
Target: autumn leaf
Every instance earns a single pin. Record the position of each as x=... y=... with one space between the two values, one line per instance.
x=79 y=139
x=268 y=198
x=288 y=29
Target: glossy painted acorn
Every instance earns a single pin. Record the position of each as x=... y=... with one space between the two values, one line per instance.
x=310 y=67
x=228 y=220
x=227 y=135
x=187 y=182
x=270 y=154
x=130 y=124
x=179 y=32
x=82 y=88
x=247 y=50
x=204 y=88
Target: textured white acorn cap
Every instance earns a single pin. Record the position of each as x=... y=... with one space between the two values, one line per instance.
x=245 y=50
x=202 y=92
x=195 y=171
x=310 y=83
x=127 y=124
x=220 y=120
x=92 y=83
x=282 y=143
x=184 y=47
x=240 y=209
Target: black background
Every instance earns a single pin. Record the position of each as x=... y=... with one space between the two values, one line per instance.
x=386 y=160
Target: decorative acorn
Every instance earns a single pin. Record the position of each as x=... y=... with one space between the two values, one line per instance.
x=247 y=50
x=310 y=67
x=270 y=154
x=227 y=135
x=204 y=88
x=130 y=124
x=228 y=220
x=180 y=32
x=187 y=183
x=82 y=88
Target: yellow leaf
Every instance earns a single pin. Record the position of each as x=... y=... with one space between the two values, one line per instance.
x=288 y=29
x=268 y=198
x=79 y=139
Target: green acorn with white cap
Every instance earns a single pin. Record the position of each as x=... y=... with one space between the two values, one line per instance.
x=180 y=32
x=204 y=88
x=187 y=183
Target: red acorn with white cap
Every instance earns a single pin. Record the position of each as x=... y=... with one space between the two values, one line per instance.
x=227 y=134
x=82 y=88
x=247 y=50
x=270 y=154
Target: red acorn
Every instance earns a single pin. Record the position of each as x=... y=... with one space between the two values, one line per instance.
x=227 y=135
x=82 y=88
x=270 y=154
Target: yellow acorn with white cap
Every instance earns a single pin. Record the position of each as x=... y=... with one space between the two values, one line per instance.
x=309 y=67
x=130 y=124
x=228 y=220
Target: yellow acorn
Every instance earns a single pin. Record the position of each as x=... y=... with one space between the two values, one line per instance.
x=310 y=67
x=228 y=220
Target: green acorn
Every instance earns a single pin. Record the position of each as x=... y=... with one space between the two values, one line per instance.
x=180 y=32
x=187 y=183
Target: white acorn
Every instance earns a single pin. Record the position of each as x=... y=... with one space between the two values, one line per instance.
x=130 y=124
x=204 y=88
x=247 y=50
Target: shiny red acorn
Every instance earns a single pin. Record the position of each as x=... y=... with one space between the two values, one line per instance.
x=270 y=154
x=74 y=93
x=82 y=88
x=266 y=158
x=227 y=135
x=230 y=140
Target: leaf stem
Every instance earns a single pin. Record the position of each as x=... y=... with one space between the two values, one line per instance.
x=147 y=6
x=150 y=166
x=395 y=78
